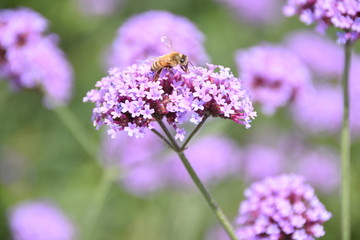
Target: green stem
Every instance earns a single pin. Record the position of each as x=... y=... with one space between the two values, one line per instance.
x=71 y=122
x=192 y=134
x=97 y=202
x=164 y=139
x=206 y=194
x=345 y=150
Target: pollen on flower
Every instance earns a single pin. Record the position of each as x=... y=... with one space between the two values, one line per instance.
x=130 y=100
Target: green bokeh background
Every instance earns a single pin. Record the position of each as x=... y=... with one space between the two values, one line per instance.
x=56 y=167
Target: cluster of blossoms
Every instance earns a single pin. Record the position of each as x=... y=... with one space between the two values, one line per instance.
x=29 y=59
x=39 y=220
x=274 y=75
x=131 y=100
x=319 y=108
x=256 y=11
x=281 y=207
x=270 y=159
x=342 y=14
x=320 y=168
x=323 y=57
x=138 y=39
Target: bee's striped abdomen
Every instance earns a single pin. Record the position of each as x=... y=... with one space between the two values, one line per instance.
x=156 y=66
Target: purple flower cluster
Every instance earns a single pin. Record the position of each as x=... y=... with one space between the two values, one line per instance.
x=29 y=59
x=282 y=207
x=40 y=221
x=130 y=100
x=320 y=169
x=322 y=55
x=274 y=75
x=262 y=161
x=256 y=11
x=319 y=109
x=343 y=14
x=138 y=39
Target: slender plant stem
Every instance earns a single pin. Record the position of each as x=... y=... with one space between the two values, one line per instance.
x=209 y=199
x=78 y=131
x=168 y=134
x=97 y=201
x=108 y=175
x=345 y=150
x=163 y=138
x=192 y=134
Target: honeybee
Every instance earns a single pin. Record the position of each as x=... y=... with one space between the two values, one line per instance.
x=169 y=60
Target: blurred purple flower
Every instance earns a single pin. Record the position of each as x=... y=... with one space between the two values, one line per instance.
x=319 y=53
x=262 y=161
x=139 y=38
x=319 y=109
x=139 y=160
x=40 y=221
x=130 y=100
x=255 y=11
x=320 y=169
x=282 y=207
x=274 y=75
x=98 y=8
x=212 y=157
x=338 y=13
x=31 y=60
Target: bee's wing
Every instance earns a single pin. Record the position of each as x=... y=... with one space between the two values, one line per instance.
x=167 y=42
x=148 y=60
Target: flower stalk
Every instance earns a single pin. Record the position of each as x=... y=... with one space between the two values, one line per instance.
x=206 y=194
x=345 y=149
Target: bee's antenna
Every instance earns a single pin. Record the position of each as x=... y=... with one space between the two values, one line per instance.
x=191 y=64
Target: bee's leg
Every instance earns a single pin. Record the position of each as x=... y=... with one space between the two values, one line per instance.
x=157 y=74
x=169 y=69
x=185 y=68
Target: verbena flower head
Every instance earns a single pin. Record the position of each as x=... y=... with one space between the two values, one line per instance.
x=274 y=75
x=130 y=100
x=342 y=14
x=319 y=109
x=281 y=207
x=138 y=38
x=213 y=158
x=256 y=11
x=262 y=161
x=139 y=161
x=40 y=221
x=322 y=55
x=29 y=59
x=320 y=169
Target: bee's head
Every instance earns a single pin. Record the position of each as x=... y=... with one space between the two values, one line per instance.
x=184 y=62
